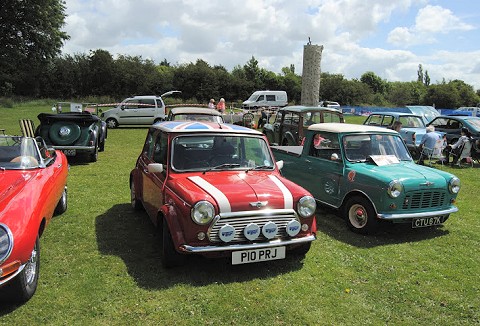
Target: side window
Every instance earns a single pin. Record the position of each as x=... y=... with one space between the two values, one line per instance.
x=131 y=104
x=324 y=145
x=260 y=98
x=147 y=103
x=331 y=117
x=160 y=149
x=148 y=147
x=375 y=120
x=387 y=121
x=270 y=97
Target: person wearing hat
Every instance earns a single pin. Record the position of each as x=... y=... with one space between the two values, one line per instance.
x=427 y=144
x=457 y=148
x=211 y=104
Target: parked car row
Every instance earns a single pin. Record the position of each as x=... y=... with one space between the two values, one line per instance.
x=220 y=190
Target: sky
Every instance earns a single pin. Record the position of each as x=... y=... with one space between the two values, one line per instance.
x=389 y=37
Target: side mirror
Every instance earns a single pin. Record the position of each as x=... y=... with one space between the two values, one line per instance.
x=155 y=168
x=279 y=165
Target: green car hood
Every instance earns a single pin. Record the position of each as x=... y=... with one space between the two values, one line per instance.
x=410 y=174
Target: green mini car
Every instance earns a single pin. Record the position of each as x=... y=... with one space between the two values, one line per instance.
x=74 y=133
x=368 y=174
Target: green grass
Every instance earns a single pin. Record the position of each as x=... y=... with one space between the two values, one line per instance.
x=100 y=264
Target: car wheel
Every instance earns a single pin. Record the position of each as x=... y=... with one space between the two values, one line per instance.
x=111 y=123
x=62 y=203
x=360 y=215
x=64 y=133
x=23 y=286
x=169 y=256
x=157 y=120
x=94 y=155
x=136 y=204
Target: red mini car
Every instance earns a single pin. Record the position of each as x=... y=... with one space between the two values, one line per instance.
x=33 y=188
x=215 y=190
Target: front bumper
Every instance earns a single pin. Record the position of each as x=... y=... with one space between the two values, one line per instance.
x=403 y=216
x=260 y=245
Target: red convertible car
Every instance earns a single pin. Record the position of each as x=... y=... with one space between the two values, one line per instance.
x=33 y=188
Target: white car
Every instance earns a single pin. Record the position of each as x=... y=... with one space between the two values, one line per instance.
x=329 y=104
x=137 y=110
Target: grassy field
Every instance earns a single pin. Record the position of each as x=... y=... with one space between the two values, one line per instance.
x=100 y=263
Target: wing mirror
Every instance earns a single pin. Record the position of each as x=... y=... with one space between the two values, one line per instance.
x=155 y=168
x=279 y=165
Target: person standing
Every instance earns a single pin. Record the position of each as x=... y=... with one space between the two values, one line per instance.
x=221 y=106
x=211 y=104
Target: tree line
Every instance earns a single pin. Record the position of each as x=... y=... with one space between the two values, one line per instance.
x=31 y=65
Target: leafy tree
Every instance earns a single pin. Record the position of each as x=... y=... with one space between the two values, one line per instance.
x=374 y=82
x=420 y=74
x=427 y=79
x=30 y=38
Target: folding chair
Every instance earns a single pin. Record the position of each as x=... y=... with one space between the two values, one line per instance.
x=434 y=154
x=465 y=158
x=27 y=127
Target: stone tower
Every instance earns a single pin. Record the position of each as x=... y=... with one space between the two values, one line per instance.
x=312 y=56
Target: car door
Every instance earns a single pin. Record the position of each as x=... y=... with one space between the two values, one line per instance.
x=146 y=111
x=152 y=183
x=321 y=171
x=128 y=113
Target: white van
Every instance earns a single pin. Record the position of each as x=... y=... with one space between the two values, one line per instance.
x=137 y=110
x=265 y=98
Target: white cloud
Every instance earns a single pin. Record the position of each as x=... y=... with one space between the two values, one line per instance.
x=430 y=20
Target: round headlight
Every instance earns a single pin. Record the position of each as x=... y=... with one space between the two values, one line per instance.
x=6 y=242
x=203 y=212
x=454 y=185
x=394 y=188
x=306 y=206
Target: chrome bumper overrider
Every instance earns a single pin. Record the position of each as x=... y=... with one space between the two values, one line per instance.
x=248 y=246
x=453 y=209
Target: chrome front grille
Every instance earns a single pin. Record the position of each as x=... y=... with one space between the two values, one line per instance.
x=239 y=220
x=424 y=199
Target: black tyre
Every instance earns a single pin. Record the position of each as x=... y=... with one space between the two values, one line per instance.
x=24 y=285
x=64 y=133
x=111 y=123
x=136 y=204
x=94 y=155
x=169 y=256
x=360 y=215
x=158 y=120
x=62 y=203
x=302 y=249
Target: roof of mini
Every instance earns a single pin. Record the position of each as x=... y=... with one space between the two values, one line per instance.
x=302 y=108
x=201 y=126
x=396 y=114
x=194 y=110
x=349 y=128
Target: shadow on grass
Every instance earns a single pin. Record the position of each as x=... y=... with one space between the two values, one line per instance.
x=330 y=223
x=132 y=237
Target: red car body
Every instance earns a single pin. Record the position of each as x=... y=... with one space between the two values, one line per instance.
x=244 y=195
x=32 y=189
